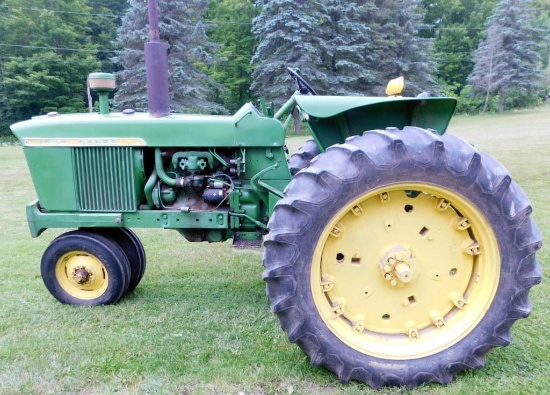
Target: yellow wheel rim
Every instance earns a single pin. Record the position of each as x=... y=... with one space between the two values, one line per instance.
x=81 y=275
x=405 y=271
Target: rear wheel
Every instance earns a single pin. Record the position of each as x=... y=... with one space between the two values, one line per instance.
x=303 y=156
x=401 y=257
x=85 y=268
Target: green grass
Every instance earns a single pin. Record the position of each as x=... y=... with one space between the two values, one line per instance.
x=199 y=323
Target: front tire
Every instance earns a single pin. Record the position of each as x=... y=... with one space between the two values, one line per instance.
x=132 y=247
x=85 y=268
x=401 y=257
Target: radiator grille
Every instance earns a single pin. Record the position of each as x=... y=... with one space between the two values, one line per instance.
x=105 y=179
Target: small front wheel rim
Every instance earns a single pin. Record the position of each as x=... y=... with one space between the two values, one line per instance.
x=405 y=271
x=81 y=275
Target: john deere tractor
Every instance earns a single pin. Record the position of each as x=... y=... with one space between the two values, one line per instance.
x=394 y=254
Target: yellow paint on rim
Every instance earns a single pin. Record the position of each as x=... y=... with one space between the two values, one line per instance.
x=399 y=274
x=81 y=275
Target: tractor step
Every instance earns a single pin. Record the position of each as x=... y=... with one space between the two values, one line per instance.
x=240 y=241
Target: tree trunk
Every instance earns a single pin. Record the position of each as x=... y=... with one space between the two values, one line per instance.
x=501 y=97
x=486 y=102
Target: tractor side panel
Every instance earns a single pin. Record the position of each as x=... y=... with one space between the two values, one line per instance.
x=87 y=179
x=52 y=175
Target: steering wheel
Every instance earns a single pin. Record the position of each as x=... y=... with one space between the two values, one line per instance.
x=303 y=87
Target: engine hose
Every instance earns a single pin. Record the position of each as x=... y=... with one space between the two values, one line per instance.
x=165 y=178
x=148 y=189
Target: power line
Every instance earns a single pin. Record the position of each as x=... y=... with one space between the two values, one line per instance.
x=58 y=11
x=110 y=15
x=99 y=50
x=58 y=48
x=216 y=22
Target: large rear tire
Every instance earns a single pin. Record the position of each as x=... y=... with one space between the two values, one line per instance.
x=303 y=156
x=401 y=257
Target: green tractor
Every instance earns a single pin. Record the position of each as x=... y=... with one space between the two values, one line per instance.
x=394 y=254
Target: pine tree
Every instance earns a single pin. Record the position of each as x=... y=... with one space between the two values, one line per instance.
x=542 y=10
x=348 y=48
x=290 y=35
x=399 y=49
x=513 y=46
x=131 y=36
x=489 y=74
x=182 y=28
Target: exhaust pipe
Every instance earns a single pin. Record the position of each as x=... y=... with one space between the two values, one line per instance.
x=156 y=66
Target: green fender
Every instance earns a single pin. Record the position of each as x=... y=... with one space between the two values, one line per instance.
x=332 y=119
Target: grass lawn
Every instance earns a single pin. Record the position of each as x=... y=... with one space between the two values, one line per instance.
x=199 y=322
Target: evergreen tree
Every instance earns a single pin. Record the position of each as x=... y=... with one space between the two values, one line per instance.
x=46 y=57
x=290 y=34
x=399 y=49
x=512 y=45
x=542 y=10
x=490 y=73
x=415 y=54
x=348 y=48
x=182 y=28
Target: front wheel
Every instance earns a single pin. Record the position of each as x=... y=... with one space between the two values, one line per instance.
x=85 y=268
x=132 y=247
x=401 y=257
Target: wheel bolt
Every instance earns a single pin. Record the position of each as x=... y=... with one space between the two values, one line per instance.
x=404 y=272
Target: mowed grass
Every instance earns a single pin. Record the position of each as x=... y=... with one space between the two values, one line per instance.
x=199 y=322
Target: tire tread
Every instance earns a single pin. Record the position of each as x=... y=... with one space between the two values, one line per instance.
x=376 y=152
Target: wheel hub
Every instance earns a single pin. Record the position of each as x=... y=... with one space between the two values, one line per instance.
x=399 y=266
x=81 y=275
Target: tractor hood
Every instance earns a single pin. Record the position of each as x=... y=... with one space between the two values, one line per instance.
x=140 y=129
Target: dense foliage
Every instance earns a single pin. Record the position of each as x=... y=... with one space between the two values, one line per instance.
x=230 y=23
x=226 y=52
x=46 y=54
x=457 y=26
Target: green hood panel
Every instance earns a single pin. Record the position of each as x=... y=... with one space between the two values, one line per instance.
x=247 y=128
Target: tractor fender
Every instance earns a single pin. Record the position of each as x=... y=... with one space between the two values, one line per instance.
x=332 y=119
